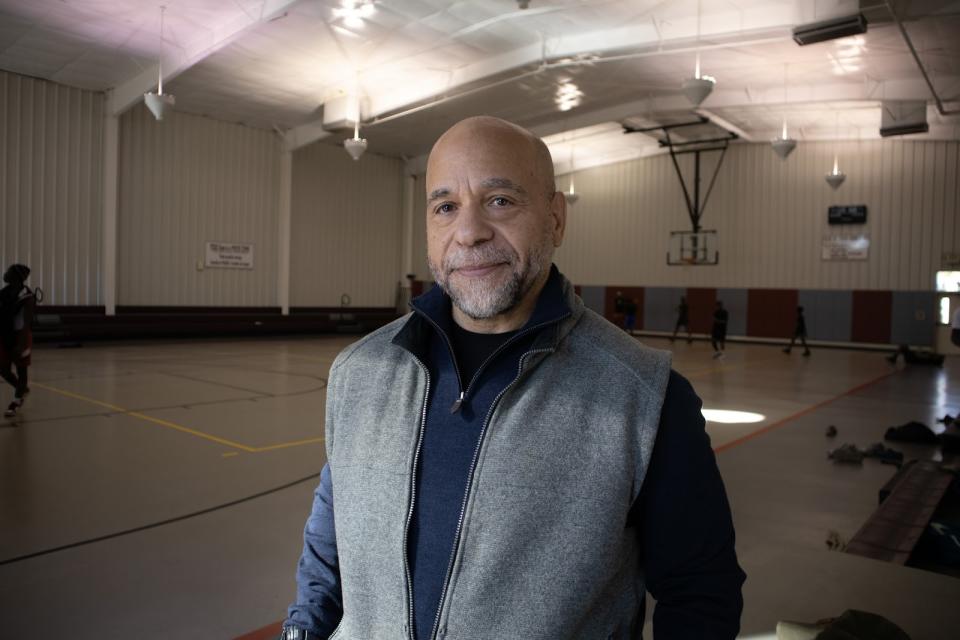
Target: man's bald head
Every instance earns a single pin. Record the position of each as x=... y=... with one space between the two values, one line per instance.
x=494 y=219
x=486 y=133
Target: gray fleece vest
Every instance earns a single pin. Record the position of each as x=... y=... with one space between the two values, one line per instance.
x=545 y=552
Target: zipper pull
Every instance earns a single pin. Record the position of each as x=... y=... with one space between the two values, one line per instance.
x=458 y=403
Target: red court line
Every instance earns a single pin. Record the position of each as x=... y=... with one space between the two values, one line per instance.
x=799 y=414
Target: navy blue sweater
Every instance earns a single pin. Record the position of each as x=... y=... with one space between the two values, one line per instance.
x=681 y=515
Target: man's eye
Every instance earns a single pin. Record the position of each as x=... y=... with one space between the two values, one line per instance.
x=444 y=208
x=500 y=201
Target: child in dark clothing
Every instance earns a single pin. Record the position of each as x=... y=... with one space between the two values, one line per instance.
x=718 y=335
x=17 y=303
x=799 y=332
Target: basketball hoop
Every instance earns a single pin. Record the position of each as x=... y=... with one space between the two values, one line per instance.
x=693 y=248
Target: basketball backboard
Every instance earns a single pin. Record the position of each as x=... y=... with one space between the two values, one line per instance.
x=693 y=248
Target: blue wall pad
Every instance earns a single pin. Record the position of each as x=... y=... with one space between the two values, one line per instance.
x=593 y=298
x=660 y=307
x=829 y=314
x=913 y=318
x=735 y=301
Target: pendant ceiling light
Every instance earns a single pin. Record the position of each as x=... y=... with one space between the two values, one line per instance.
x=571 y=194
x=836 y=177
x=356 y=145
x=697 y=88
x=158 y=102
x=784 y=145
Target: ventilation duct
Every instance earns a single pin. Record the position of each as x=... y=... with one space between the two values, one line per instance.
x=830 y=29
x=902 y=118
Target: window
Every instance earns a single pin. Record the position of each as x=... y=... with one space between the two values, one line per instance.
x=948 y=281
x=945 y=310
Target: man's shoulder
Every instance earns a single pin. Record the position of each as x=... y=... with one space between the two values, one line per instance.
x=372 y=346
x=607 y=345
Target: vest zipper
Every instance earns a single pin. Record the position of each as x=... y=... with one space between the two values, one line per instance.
x=456 y=368
x=473 y=466
x=483 y=431
x=463 y=393
x=413 y=498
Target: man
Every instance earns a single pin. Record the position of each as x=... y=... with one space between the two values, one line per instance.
x=630 y=315
x=16 y=333
x=718 y=333
x=799 y=332
x=683 y=320
x=495 y=468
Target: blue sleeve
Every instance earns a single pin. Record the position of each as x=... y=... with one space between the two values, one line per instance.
x=686 y=529
x=319 y=607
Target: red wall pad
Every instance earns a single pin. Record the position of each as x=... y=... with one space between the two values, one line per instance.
x=701 y=303
x=871 y=317
x=610 y=304
x=772 y=313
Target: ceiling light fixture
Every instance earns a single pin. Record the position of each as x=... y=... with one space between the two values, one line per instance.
x=356 y=145
x=697 y=88
x=352 y=12
x=784 y=145
x=158 y=102
x=836 y=177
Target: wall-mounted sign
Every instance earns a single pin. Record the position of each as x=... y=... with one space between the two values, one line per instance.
x=236 y=255
x=845 y=248
x=847 y=214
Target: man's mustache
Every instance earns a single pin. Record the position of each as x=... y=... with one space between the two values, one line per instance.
x=478 y=258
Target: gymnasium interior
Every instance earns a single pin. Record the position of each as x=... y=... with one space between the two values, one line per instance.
x=216 y=197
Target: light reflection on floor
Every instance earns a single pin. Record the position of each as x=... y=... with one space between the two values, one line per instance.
x=726 y=416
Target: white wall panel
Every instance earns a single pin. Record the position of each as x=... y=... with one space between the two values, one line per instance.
x=771 y=217
x=186 y=181
x=420 y=266
x=345 y=227
x=50 y=186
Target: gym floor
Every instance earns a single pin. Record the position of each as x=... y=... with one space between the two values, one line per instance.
x=158 y=490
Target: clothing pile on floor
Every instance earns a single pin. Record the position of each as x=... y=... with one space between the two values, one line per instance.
x=852 y=454
x=912 y=432
x=852 y=625
x=919 y=433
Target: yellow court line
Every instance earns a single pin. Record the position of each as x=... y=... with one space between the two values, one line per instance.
x=158 y=421
x=284 y=445
x=193 y=432
x=77 y=396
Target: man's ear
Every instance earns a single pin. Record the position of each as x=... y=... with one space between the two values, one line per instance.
x=558 y=217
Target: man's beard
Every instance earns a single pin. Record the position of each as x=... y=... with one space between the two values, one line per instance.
x=479 y=299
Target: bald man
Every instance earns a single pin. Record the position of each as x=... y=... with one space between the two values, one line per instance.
x=503 y=463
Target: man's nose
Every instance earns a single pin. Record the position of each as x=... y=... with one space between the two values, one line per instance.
x=472 y=225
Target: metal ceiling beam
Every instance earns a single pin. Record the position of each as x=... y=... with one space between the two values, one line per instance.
x=665 y=127
x=764 y=24
x=175 y=62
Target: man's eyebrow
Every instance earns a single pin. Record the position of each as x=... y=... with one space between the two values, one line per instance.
x=489 y=183
x=503 y=183
x=436 y=194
